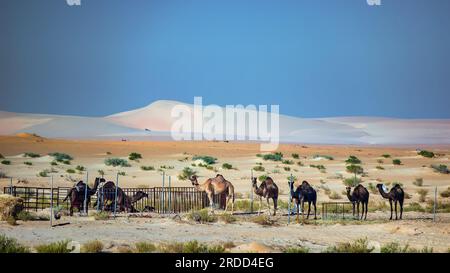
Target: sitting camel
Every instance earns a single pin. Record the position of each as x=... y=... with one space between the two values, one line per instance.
x=124 y=202
x=216 y=185
x=77 y=195
x=268 y=189
x=396 y=194
x=360 y=195
x=303 y=193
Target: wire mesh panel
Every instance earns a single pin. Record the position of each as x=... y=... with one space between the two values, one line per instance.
x=39 y=198
x=337 y=210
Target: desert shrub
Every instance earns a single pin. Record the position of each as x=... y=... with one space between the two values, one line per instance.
x=92 y=247
x=354 y=169
x=288 y=162
x=441 y=207
x=205 y=158
x=372 y=188
x=70 y=171
x=201 y=216
x=386 y=155
x=352 y=181
x=11 y=220
x=418 y=182
x=186 y=173
x=6 y=162
x=323 y=156
x=422 y=194
x=425 y=153
x=43 y=173
x=295 y=156
x=287 y=169
x=263 y=220
x=245 y=205
x=28 y=163
x=397 y=162
x=56 y=247
x=167 y=167
x=227 y=166
x=414 y=206
x=25 y=216
x=445 y=193
x=144 y=247
x=259 y=168
x=54 y=163
x=273 y=156
x=80 y=168
x=117 y=162
x=394 y=247
x=134 y=156
x=67 y=162
x=353 y=160
x=102 y=215
x=61 y=157
x=380 y=161
x=296 y=249
x=380 y=167
x=190 y=247
x=319 y=167
x=262 y=178
x=300 y=164
x=441 y=168
x=121 y=173
x=147 y=168
x=227 y=218
x=358 y=246
x=335 y=196
x=10 y=245
x=101 y=172
x=32 y=155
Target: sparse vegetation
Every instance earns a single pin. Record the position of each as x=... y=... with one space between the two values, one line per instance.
x=227 y=218
x=273 y=157
x=6 y=162
x=102 y=215
x=144 y=247
x=32 y=155
x=358 y=246
x=395 y=247
x=61 y=157
x=259 y=168
x=209 y=160
x=134 y=156
x=10 y=245
x=295 y=156
x=288 y=162
x=422 y=194
x=28 y=163
x=397 y=162
x=101 y=172
x=43 y=173
x=446 y=193
x=335 y=196
x=201 y=216
x=186 y=173
x=386 y=155
x=70 y=171
x=297 y=249
x=189 y=247
x=263 y=220
x=426 y=153
x=441 y=168
x=80 y=168
x=56 y=247
x=353 y=160
x=117 y=162
x=287 y=169
x=319 y=167
x=379 y=167
x=418 y=182
x=356 y=169
x=227 y=166
x=92 y=247
x=147 y=168
x=352 y=182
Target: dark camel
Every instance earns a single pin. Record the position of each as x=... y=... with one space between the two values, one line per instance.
x=268 y=189
x=303 y=193
x=77 y=195
x=396 y=194
x=216 y=185
x=124 y=202
x=360 y=195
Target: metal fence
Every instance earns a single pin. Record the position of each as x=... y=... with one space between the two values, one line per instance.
x=159 y=199
x=336 y=210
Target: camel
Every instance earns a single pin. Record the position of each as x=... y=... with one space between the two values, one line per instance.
x=216 y=185
x=77 y=195
x=396 y=194
x=360 y=195
x=268 y=189
x=124 y=202
x=303 y=193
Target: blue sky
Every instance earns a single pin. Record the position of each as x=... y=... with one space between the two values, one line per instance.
x=315 y=58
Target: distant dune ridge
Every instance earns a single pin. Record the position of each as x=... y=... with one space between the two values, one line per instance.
x=155 y=120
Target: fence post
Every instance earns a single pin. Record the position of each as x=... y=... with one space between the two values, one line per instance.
x=86 y=193
x=10 y=186
x=251 y=194
x=289 y=200
x=170 y=195
x=162 y=194
x=51 y=201
x=115 y=194
x=435 y=201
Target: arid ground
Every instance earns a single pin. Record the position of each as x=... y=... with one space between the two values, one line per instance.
x=417 y=229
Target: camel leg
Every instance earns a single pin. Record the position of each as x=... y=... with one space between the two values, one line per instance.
x=357 y=210
x=227 y=200
x=275 y=201
x=303 y=210
x=298 y=208
x=395 y=204
x=390 y=203
x=315 y=210
x=309 y=209
x=211 y=202
x=268 y=205
x=260 y=205
x=367 y=205
x=401 y=209
x=71 y=210
x=353 y=204
x=362 y=210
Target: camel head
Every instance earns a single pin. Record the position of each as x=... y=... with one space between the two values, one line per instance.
x=141 y=194
x=193 y=179
x=254 y=181
x=348 y=189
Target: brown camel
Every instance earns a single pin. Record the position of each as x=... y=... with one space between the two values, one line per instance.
x=77 y=195
x=216 y=185
x=303 y=193
x=268 y=189
x=360 y=195
x=124 y=202
x=396 y=194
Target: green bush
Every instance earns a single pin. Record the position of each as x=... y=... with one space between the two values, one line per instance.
x=201 y=216
x=80 y=168
x=422 y=194
x=288 y=162
x=227 y=166
x=32 y=155
x=441 y=168
x=6 y=162
x=144 y=247
x=354 y=169
x=116 y=162
x=259 y=168
x=379 y=167
x=25 y=216
x=397 y=162
x=299 y=249
x=147 y=168
x=186 y=173
x=92 y=247
x=273 y=157
x=56 y=247
x=134 y=156
x=352 y=182
x=43 y=173
x=445 y=193
x=386 y=155
x=295 y=156
x=54 y=163
x=227 y=218
x=70 y=171
x=319 y=167
x=205 y=158
x=358 y=246
x=10 y=245
x=353 y=160
x=287 y=169
x=28 y=163
x=425 y=153
x=395 y=247
x=102 y=215
x=61 y=157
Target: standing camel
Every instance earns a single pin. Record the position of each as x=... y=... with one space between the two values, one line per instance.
x=303 y=193
x=77 y=195
x=216 y=185
x=360 y=195
x=396 y=194
x=268 y=189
